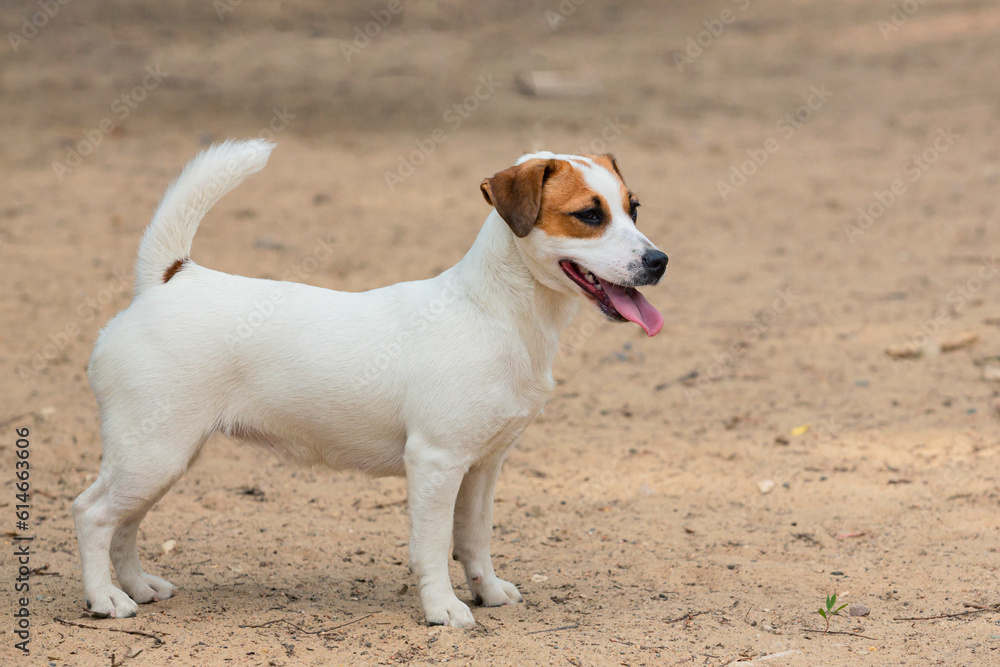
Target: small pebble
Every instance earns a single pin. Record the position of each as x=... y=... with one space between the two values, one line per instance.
x=858 y=610
x=766 y=485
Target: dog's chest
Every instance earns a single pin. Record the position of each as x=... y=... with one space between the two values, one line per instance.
x=528 y=396
x=508 y=428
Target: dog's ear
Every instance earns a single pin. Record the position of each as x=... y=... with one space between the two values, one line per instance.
x=516 y=193
x=614 y=165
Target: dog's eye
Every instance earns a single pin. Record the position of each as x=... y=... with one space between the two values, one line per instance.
x=634 y=212
x=590 y=216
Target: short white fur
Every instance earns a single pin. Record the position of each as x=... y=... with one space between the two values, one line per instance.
x=464 y=363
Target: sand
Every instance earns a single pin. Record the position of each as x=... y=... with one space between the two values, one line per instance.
x=686 y=499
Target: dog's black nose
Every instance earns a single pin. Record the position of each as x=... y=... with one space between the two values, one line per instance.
x=656 y=262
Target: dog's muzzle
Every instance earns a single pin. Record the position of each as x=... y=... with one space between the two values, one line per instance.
x=655 y=264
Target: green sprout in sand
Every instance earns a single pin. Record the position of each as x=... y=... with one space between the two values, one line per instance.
x=831 y=610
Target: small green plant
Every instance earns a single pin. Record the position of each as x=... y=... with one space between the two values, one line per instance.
x=831 y=610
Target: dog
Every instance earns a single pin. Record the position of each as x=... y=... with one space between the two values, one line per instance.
x=433 y=380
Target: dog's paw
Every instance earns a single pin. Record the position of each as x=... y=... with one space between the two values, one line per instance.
x=148 y=588
x=494 y=592
x=112 y=603
x=453 y=613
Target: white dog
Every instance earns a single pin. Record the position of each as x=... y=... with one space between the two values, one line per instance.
x=433 y=379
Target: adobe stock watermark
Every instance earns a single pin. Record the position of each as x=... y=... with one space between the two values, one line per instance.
x=223 y=7
x=89 y=308
x=913 y=170
x=563 y=11
x=264 y=309
x=381 y=358
x=210 y=190
x=954 y=302
x=787 y=125
x=899 y=16
x=121 y=108
x=610 y=132
x=573 y=339
x=599 y=145
x=32 y=24
x=625 y=464
x=151 y=424
x=696 y=45
x=364 y=34
x=751 y=331
x=454 y=117
x=278 y=123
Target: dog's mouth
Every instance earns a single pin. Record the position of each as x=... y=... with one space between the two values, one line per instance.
x=617 y=302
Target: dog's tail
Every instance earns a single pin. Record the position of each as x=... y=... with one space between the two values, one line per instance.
x=166 y=245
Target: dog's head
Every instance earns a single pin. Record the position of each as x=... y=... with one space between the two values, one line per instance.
x=574 y=220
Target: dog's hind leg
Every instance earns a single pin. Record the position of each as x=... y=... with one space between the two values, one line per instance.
x=139 y=585
x=472 y=532
x=137 y=470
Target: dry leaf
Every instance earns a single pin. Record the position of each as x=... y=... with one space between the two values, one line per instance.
x=957 y=343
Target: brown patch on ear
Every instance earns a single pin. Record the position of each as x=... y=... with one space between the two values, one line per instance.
x=484 y=187
x=173 y=269
x=608 y=160
x=516 y=193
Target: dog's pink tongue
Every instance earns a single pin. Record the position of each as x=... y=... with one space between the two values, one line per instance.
x=632 y=305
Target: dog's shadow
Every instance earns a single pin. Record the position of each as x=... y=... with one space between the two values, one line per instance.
x=215 y=594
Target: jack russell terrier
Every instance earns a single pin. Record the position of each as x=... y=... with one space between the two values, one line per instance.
x=432 y=379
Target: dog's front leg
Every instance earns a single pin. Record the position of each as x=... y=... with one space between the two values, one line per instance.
x=473 y=528
x=432 y=485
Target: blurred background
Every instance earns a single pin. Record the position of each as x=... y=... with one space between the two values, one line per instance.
x=823 y=175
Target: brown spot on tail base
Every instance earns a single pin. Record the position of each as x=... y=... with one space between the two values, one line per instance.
x=173 y=269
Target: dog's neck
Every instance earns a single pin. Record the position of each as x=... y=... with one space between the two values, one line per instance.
x=494 y=275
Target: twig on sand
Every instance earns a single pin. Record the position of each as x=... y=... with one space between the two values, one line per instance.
x=139 y=633
x=321 y=631
x=563 y=627
x=644 y=647
x=976 y=609
x=688 y=616
x=839 y=632
x=763 y=658
x=118 y=663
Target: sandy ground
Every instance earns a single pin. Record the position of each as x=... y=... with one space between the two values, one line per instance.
x=687 y=499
